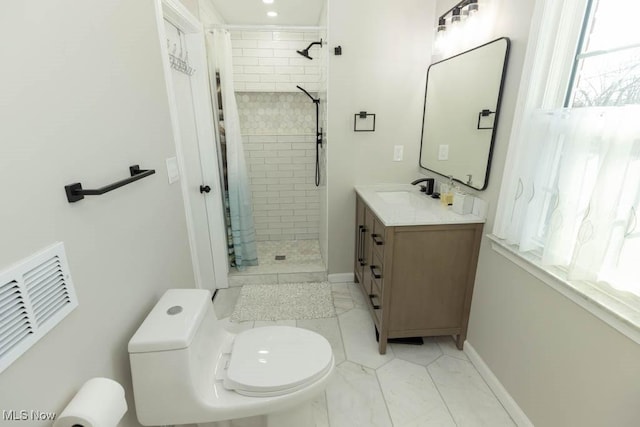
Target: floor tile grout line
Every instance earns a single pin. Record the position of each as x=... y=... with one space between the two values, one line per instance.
x=344 y=347
x=375 y=370
x=386 y=405
x=326 y=405
x=388 y=361
x=435 y=384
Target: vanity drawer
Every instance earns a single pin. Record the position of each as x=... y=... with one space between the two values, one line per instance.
x=377 y=237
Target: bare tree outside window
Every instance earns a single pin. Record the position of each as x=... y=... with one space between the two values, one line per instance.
x=607 y=66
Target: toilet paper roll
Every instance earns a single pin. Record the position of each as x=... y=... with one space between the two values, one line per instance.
x=100 y=402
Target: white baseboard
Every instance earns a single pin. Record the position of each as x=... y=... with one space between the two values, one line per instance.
x=510 y=405
x=341 y=278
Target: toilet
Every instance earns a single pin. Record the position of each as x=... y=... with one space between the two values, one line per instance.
x=188 y=367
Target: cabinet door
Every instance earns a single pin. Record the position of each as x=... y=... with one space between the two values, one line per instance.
x=433 y=270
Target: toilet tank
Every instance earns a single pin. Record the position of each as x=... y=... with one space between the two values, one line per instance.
x=165 y=353
x=173 y=322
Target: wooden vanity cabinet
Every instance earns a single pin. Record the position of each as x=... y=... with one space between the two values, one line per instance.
x=418 y=279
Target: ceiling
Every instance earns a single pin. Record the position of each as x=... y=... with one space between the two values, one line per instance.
x=254 y=12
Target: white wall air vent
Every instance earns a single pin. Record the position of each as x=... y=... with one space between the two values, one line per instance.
x=35 y=295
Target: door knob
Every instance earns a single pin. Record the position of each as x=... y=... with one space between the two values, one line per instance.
x=205 y=189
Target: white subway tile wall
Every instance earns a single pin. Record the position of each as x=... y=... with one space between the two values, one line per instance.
x=266 y=61
x=278 y=125
x=278 y=134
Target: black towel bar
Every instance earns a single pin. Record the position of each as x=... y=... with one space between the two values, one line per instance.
x=75 y=191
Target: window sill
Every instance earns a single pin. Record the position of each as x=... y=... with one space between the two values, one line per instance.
x=616 y=313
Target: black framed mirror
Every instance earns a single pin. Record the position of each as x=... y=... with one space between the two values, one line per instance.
x=461 y=111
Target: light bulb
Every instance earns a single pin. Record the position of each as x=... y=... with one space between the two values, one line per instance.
x=473 y=7
x=455 y=15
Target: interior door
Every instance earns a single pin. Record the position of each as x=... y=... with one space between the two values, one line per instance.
x=200 y=171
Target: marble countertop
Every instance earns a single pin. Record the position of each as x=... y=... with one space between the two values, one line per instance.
x=404 y=204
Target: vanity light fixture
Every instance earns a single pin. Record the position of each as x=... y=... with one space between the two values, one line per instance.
x=464 y=8
x=267 y=1
x=272 y=14
x=459 y=28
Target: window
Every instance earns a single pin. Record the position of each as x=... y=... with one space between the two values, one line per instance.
x=607 y=66
x=571 y=190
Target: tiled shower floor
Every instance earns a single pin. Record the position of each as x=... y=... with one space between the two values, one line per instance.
x=295 y=251
x=434 y=384
x=302 y=263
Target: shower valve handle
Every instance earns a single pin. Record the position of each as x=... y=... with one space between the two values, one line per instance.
x=205 y=189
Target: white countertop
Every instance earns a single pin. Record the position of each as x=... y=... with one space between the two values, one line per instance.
x=404 y=204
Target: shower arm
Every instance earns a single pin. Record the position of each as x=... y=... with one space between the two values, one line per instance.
x=313 y=44
x=317 y=102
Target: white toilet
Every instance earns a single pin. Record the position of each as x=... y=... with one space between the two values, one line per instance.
x=188 y=368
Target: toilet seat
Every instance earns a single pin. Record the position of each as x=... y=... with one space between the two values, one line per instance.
x=276 y=360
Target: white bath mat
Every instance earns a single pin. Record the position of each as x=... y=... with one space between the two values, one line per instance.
x=284 y=302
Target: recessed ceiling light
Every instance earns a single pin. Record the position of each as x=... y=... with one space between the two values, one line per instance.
x=267 y=1
x=272 y=14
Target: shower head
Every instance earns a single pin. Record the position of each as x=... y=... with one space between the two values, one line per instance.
x=305 y=52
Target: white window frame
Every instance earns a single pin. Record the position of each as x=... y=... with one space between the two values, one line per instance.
x=551 y=49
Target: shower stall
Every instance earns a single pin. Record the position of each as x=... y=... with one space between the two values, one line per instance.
x=279 y=75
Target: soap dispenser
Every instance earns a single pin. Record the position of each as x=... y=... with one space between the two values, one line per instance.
x=446 y=197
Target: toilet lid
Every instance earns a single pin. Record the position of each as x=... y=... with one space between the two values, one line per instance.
x=276 y=359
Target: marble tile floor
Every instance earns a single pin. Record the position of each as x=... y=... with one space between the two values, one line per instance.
x=411 y=386
x=302 y=263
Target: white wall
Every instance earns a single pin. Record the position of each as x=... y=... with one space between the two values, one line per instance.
x=563 y=366
x=386 y=50
x=83 y=97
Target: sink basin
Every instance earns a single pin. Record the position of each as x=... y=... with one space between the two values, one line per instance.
x=395 y=197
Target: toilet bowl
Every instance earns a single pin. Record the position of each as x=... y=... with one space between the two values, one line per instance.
x=188 y=367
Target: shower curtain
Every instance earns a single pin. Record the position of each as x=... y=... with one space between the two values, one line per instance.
x=237 y=198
